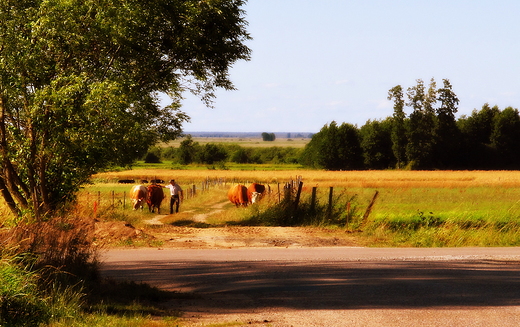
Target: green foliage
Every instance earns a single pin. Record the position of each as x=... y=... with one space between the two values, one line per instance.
x=334 y=148
x=421 y=127
x=211 y=153
x=505 y=137
x=79 y=84
x=398 y=126
x=376 y=142
x=268 y=136
x=187 y=151
x=152 y=158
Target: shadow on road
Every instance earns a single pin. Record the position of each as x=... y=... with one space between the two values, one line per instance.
x=344 y=285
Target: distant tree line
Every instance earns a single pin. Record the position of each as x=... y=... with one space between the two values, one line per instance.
x=190 y=151
x=428 y=138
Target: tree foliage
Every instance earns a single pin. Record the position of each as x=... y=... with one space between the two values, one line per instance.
x=268 y=136
x=79 y=84
x=334 y=148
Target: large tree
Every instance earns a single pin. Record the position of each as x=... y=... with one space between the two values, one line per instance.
x=398 y=135
x=421 y=125
x=79 y=85
x=448 y=144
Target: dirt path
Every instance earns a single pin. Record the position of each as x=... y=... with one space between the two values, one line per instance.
x=340 y=286
x=216 y=208
x=201 y=218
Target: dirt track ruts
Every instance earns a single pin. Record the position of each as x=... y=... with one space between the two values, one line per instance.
x=336 y=286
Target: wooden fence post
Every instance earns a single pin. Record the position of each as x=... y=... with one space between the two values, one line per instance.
x=329 y=207
x=348 y=214
x=287 y=192
x=298 y=193
x=313 y=199
x=369 y=208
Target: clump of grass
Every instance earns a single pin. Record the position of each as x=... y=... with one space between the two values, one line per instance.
x=26 y=301
x=343 y=210
x=44 y=270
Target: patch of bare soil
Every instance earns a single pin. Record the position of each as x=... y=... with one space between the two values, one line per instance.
x=224 y=237
x=114 y=233
x=233 y=237
x=221 y=237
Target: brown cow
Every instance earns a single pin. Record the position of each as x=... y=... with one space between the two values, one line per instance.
x=139 y=195
x=255 y=192
x=238 y=195
x=155 y=197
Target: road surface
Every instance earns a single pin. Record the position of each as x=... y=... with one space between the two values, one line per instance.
x=336 y=286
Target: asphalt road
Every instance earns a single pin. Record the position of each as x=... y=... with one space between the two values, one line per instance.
x=334 y=286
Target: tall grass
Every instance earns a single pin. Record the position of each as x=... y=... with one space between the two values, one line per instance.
x=26 y=301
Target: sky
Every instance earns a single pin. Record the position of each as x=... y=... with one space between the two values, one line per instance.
x=314 y=62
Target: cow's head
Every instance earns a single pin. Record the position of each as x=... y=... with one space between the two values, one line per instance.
x=138 y=203
x=255 y=196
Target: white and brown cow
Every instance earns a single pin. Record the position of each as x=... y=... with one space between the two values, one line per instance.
x=255 y=192
x=139 y=195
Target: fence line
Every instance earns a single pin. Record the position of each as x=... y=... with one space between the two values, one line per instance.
x=289 y=192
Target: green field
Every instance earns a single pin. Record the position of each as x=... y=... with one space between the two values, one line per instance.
x=247 y=141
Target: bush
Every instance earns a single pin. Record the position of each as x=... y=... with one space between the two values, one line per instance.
x=152 y=158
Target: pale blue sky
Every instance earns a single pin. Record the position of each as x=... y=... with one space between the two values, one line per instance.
x=318 y=61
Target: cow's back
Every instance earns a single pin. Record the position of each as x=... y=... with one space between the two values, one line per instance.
x=255 y=192
x=139 y=195
x=155 y=194
x=155 y=197
x=255 y=187
x=138 y=192
x=238 y=195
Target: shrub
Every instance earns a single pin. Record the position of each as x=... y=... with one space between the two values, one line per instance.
x=152 y=158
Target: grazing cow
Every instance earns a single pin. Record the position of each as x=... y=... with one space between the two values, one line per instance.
x=155 y=197
x=238 y=195
x=139 y=195
x=255 y=192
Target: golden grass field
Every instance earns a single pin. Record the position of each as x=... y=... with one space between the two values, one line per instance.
x=362 y=179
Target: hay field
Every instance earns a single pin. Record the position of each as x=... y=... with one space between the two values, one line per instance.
x=355 y=179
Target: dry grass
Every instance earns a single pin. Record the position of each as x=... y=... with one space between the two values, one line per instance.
x=362 y=179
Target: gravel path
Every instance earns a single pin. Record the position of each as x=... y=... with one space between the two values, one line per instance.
x=336 y=286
